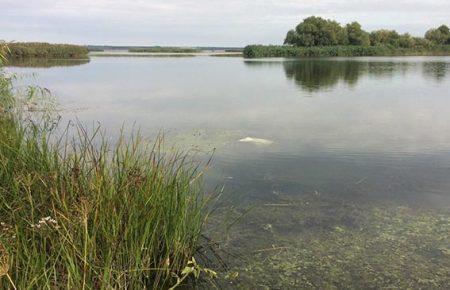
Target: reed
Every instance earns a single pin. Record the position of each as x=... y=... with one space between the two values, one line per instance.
x=79 y=212
x=260 y=51
x=19 y=50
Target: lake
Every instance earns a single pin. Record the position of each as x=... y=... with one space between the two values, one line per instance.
x=345 y=175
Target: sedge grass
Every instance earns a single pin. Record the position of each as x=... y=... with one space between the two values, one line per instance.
x=82 y=213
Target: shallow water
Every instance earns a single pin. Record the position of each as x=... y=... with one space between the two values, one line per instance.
x=357 y=149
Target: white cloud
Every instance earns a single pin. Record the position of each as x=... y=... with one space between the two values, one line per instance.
x=201 y=22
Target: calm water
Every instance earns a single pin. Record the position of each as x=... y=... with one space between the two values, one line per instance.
x=348 y=137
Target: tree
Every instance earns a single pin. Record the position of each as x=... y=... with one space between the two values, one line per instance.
x=445 y=32
x=406 y=41
x=421 y=42
x=316 y=31
x=357 y=36
x=342 y=36
x=440 y=35
x=291 y=37
x=384 y=37
x=444 y=29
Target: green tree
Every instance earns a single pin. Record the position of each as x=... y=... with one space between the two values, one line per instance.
x=440 y=35
x=291 y=37
x=406 y=41
x=384 y=37
x=444 y=30
x=317 y=31
x=421 y=42
x=357 y=36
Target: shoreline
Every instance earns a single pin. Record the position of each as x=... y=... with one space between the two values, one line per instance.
x=162 y=54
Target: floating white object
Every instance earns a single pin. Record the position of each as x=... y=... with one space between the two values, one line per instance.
x=258 y=141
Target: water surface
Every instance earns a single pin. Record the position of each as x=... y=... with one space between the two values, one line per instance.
x=360 y=157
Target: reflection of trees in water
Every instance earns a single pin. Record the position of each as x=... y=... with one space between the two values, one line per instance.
x=320 y=74
x=436 y=70
x=46 y=63
x=314 y=75
x=388 y=69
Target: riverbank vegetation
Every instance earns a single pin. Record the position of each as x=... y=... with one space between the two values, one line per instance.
x=20 y=50
x=163 y=49
x=78 y=212
x=46 y=62
x=316 y=36
x=255 y=51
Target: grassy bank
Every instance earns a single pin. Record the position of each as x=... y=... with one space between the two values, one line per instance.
x=259 y=51
x=162 y=49
x=81 y=213
x=19 y=50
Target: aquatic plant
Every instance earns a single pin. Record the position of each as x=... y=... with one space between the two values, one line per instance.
x=317 y=241
x=259 y=51
x=19 y=50
x=45 y=62
x=78 y=212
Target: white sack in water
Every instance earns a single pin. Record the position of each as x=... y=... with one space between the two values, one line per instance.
x=256 y=141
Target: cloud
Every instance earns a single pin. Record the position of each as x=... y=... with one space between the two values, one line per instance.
x=201 y=22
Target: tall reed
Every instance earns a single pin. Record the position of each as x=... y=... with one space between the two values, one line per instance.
x=18 y=50
x=260 y=51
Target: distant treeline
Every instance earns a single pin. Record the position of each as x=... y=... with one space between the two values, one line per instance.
x=316 y=36
x=162 y=49
x=45 y=50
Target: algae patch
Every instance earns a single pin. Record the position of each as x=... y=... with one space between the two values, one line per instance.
x=319 y=244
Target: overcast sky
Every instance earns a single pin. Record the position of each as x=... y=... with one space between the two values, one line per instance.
x=202 y=22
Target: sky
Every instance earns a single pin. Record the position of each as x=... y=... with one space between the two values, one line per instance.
x=202 y=22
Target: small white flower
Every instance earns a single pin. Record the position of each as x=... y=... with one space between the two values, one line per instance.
x=46 y=221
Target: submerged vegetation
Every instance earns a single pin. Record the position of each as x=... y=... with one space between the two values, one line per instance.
x=77 y=212
x=164 y=49
x=316 y=36
x=316 y=241
x=18 y=50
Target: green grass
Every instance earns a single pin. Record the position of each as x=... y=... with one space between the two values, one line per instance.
x=162 y=49
x=78 y=212
x=259 y=51
x=20 y=50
